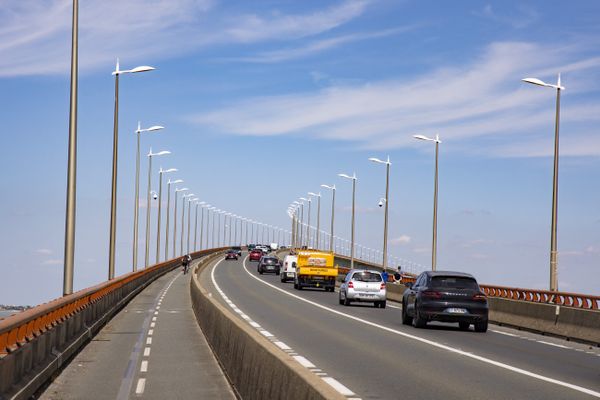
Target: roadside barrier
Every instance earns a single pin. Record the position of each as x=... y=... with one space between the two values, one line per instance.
x=255 y=367
x=36 y=343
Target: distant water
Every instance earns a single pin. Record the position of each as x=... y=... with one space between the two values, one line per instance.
x=6 y=313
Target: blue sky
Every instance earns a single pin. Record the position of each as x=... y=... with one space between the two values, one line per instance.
x=264 y=101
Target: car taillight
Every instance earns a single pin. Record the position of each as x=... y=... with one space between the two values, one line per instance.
x=479 y=297
x=382 y=286
x=432 y=294
x=351 y=285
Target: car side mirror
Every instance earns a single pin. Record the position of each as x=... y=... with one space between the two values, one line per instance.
x=409 y=285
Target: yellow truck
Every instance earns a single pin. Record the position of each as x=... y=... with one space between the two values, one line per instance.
x=315 y=269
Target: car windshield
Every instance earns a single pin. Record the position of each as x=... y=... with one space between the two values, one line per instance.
x=366 y=277
x=454 y=282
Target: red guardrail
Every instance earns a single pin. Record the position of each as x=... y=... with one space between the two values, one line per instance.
x=575 y=300
x=22 y=327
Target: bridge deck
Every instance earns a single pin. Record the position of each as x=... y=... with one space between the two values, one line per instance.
x=117 y=363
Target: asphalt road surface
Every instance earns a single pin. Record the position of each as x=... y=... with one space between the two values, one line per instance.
x=369 y=354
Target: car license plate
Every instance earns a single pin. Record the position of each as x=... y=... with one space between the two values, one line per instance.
x=456 y=310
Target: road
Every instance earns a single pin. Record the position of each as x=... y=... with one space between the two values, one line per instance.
x=152 y=349
x=367 y=352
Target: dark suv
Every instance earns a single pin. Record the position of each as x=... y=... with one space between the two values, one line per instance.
x=269 y=264
x=445 y=296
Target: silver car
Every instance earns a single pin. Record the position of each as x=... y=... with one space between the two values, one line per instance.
x=363 y=285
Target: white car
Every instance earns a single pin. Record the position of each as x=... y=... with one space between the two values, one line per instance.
x=363 y=285
x=288 y=270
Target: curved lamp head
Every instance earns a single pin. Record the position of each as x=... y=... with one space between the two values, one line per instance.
x=539 y=82
x=347 y=176
x=314 y=194
x=160 y=153
x=175 y=181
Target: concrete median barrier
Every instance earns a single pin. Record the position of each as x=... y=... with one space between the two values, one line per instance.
x=255 y=367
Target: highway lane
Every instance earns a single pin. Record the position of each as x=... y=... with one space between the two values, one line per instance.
x=152 y=349
x=389 y=360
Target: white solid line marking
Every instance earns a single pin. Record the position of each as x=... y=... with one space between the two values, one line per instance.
x=144 y=366
x=433 y=343
x=140 y=386
x=504 y=333
x=304 y=362
x=149 y=340
x=150 y=332
x=282 y=346
x=338 y=386
x=553 y=344
x=146 y=351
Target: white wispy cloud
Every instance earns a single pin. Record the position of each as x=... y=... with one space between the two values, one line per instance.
x=253 y=27
x=483 y=98
x=401 y=240
x=35 y=37
x=44 y=251
x=521 y=17
x=316 y=47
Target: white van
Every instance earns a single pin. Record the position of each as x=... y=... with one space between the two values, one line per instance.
x=288 y=270
x=274 y=246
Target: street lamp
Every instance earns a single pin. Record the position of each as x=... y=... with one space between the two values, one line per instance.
x=183 y=198
x=175 y=221
x=168 y=215
x=69 y=250
x=196 y=224
x=202 y=234
x=332 y=188
x=136 y=206
x=113 y=197
x=437 y=142
x=160 y=174
x=149 y=194
x=353 y=178
x=190 y=200
x=387 y=192
x=318 y=196
x=553 y=234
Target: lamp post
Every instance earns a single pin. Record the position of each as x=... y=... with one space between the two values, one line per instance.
x=437 y=142
x=69 y=251
x=387 y=192
x=190 y=200
x=183 y=199
x=175 y=221
x=169 y=182
x=318 y=196
x=353 y=178
x=202 y=234
x=113 y=197
x=553 y=229
x=149 y=194
x=196 y=247
x=212 y=234
x=160 y=174
x=136 y=206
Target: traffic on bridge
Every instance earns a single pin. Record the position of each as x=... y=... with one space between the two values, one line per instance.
x=348 y=199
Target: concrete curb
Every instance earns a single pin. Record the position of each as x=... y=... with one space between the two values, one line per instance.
x=257 y=369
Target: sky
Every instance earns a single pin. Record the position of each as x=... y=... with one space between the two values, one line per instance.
x=264 y=101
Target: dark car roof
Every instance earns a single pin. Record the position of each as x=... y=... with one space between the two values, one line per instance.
x=449 y=273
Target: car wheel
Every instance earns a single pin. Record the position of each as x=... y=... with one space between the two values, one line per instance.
x=382 y=304
x=406 y=320
x=277 y=273
x=418 y=321
x=464 y=326
x=346 y=301
x=481 y=326
x=340 y=299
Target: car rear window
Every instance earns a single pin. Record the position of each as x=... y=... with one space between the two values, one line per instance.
x=270 y=261
x=454 y=282
x=366 y=277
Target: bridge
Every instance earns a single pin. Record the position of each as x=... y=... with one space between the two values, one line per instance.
x=224 y=331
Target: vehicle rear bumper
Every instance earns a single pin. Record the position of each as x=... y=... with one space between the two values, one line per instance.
x=317 y=281
x=439 y=312
x=366 y=296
